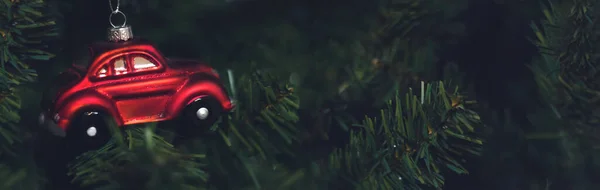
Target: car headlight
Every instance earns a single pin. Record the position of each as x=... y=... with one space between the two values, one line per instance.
x=42 y=118
x=215 y=72
x=56 y=118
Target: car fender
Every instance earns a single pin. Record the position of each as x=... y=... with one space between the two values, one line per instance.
x=197 y=86
x=83 y=101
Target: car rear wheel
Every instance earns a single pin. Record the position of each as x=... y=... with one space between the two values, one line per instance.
x=200 y=116
x=88 y=132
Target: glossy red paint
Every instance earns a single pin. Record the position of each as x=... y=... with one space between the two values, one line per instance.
x=134 y=83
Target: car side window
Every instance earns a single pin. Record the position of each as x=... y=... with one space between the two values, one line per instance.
x=103 y=72
x=120 y=67
x=141 y=63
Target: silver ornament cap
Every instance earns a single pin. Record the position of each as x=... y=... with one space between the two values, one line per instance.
x=120 y=33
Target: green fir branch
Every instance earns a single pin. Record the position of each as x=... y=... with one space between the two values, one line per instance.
x=264 y=122
x=262 y=127
x=23 y=28
x=9 y=124
x=565 y=72
x=410 y=144
x=143 y=161
x=567 y=78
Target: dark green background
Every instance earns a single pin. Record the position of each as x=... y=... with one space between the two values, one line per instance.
x=494 y=54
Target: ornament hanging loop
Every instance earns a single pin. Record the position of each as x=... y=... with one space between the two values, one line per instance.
x=114 y=13
x=118 y=32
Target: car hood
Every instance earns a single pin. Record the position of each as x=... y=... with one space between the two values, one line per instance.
x=59 y=84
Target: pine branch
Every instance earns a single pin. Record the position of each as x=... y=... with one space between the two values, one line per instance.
x=9 y=120
x=574 y=92
x=410 y=144
x=569 y=33
x=23 y=28
x=265 y=116
x=262 y=128
x=567 y=77
x=143 y=161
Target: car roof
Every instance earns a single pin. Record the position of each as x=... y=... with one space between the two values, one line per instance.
x=98 y=48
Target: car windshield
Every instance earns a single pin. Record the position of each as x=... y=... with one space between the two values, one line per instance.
x=69 y=76
x=59 y=83
x=81 y=61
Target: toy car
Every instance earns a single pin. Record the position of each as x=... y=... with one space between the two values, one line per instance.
x=132 y=83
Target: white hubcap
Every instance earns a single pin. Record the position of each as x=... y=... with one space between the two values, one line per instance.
x=91 y=131
x=202 y=113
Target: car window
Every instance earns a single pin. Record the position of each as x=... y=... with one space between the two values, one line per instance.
x=141 y=63
x=119 y=66
x=102 y=72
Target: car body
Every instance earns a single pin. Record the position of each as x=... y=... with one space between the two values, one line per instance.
x=133 y=83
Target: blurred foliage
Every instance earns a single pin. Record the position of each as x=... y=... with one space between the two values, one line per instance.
x=24 y=29
x=568 y=80
x=297 y=38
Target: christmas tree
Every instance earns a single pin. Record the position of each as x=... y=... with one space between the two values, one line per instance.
x=321 y=103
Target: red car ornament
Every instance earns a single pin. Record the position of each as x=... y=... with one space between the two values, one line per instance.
x=133 y=83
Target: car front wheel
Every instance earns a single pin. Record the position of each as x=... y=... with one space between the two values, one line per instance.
x=88 y=132
x=200 y=116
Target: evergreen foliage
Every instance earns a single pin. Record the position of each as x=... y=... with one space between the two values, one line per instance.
x=567 y=77
x=24 y=29
x=359 y=86
x=143 y=161
x=410 y=143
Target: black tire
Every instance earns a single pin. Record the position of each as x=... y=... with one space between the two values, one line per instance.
x=77 y=134
x=195 y=122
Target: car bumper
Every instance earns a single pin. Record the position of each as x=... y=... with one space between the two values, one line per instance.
x=231 y=106
x=50 y=125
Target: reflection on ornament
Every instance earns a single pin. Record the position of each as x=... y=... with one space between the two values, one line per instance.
x=118 y=34
x=91 y=131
